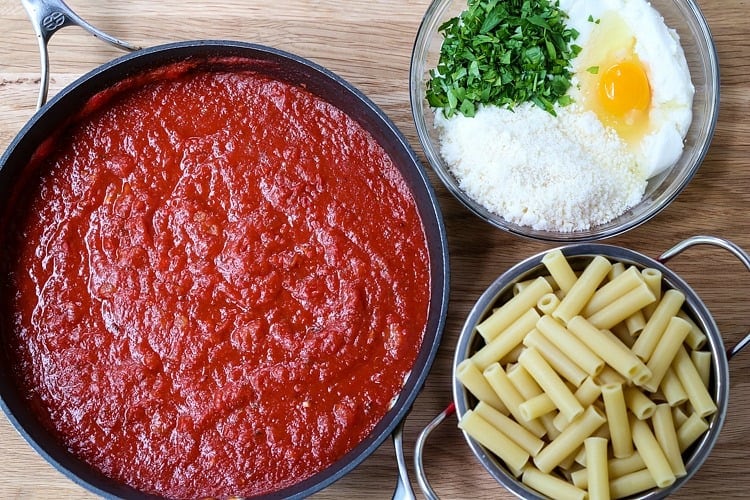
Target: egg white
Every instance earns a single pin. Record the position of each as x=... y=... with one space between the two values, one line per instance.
x=658 y=49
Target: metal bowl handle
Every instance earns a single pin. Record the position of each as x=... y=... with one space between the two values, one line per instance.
x=47 y=17
x=718 y=242
x=424 y=483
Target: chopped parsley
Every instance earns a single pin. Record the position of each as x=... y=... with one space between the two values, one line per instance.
x=503 y=52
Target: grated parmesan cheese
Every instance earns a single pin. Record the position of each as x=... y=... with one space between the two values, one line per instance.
x=565 y=173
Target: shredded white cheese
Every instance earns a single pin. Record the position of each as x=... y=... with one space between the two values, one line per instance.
x=565 y=173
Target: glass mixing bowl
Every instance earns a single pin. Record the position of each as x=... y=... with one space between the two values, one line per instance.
x=685 y=17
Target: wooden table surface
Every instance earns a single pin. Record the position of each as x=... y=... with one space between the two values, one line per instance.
x=369 y=43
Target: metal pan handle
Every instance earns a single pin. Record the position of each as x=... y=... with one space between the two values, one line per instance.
x=47 y=17
x=424 y=483
x=718 y=242
x=403 y=486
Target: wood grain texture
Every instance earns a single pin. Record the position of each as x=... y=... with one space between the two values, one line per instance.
x=369 y=43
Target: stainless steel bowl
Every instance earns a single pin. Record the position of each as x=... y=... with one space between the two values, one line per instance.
x=579 y=255
x=682 y=15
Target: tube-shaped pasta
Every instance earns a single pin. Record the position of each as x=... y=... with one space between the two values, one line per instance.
x=583 y=288
x=469 y=375
x=632 y=483
x=520 y=285
x=516 y=472
x=622 y=308
x=555 y=357
x=537 y=406
x=652 y=454
x=610 y=376
x=621 y=331
x=679 y=417
x=690 y=379
x=652 y=277
x=665 y=351
x=668 y=307
x=523 y=382
x=550 y=485
x=596 y=464
x=494 y=440
x=580 y=478
x=516 y=432
x=638 y=403
x=610 y=349
x=588 y=392
x=548 y=303
x=528 y=388
x=571 y=346
x=568 y=461
x=560 y=421
x=613 y=290
x=617 y=269
x=691 y=430
x=635 y=323
x=499 y=381
x=549 y=429
x=603 y=431
x=570 y=439
x=559 y=269
x=672 y=389
x=580 y=457
x=512 y=356
x=696 y=339
x=509 y=312
x=617 y=467
x=666 y=435
x=702 y=362
x=551 y=382
x=548 y=421
x=617 y=419
x=506 y=341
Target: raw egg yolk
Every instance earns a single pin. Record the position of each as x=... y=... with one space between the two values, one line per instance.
x=624 y=88
x=613 y=81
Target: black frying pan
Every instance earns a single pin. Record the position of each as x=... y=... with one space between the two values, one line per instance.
x=277 y=64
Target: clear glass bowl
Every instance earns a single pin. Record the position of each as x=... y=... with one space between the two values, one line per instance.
x=682 y=15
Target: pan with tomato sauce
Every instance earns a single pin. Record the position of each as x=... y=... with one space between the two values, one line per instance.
x=218 y=283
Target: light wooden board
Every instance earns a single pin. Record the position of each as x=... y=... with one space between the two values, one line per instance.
x=369 y=43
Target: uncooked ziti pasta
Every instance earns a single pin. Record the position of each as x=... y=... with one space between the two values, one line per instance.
x=590 y=384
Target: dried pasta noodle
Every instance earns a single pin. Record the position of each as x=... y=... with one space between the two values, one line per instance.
x=590 y=385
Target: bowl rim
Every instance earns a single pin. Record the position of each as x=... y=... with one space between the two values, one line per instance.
x=531 y=267
x=417 y=70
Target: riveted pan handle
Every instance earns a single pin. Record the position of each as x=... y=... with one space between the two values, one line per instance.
x=718 y=242
x=47 y=17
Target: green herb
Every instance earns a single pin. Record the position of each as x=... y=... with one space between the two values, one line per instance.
x=592 y=20
x=503 y=52
x=594 y=70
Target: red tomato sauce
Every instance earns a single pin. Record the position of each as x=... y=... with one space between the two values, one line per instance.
x=219 y=282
